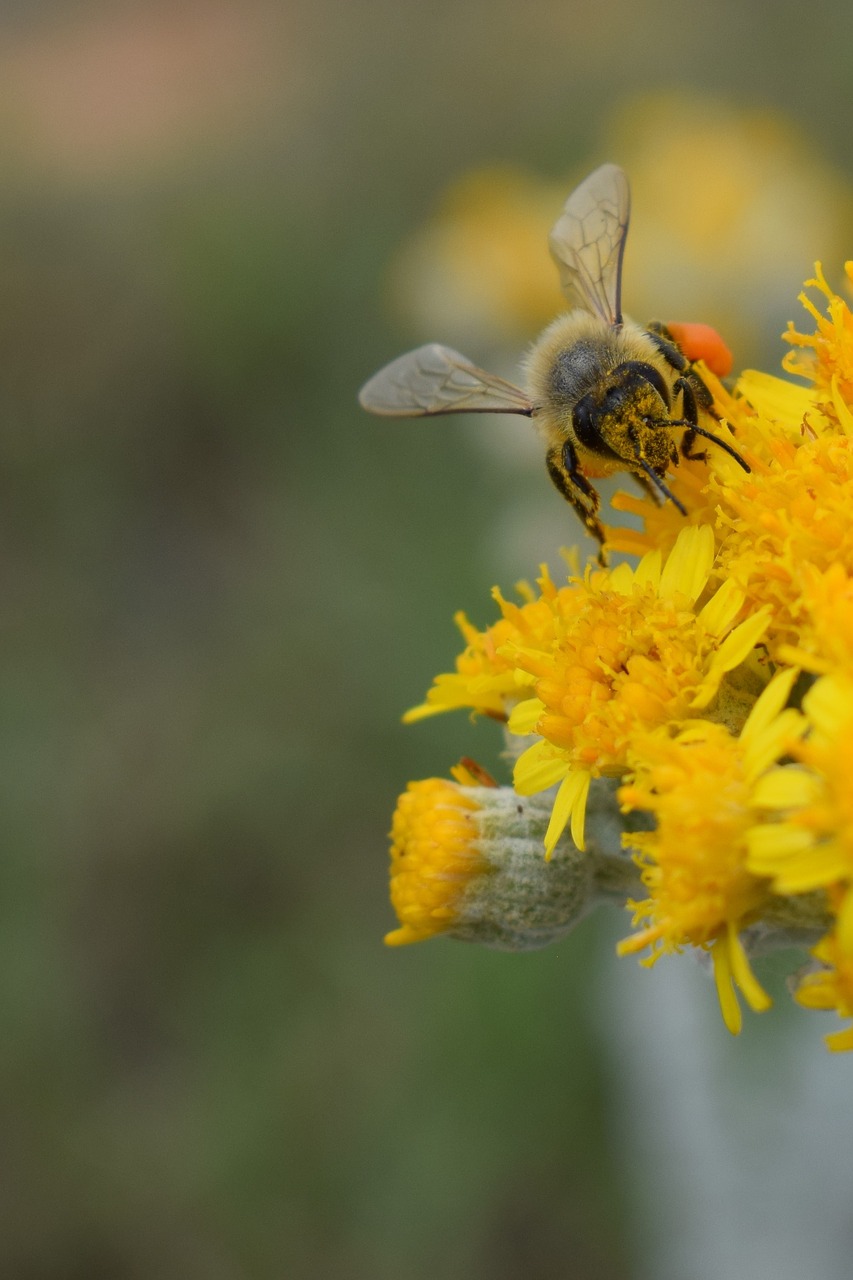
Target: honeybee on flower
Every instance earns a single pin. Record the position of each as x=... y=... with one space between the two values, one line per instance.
x=605 y=393
x=681 y=728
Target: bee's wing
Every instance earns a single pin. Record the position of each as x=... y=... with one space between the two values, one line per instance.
x=435 y=379
x=588 y=240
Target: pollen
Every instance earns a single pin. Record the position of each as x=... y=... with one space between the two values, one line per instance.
x=434 y=856
x=691 y=481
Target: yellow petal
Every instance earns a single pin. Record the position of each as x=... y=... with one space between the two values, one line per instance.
x=764 y=749
x=769 y=703
x=621 y=580
x=813 y=868
x=737 y=646
x=579 y=810
x=734 y=650
x=538 y=768
x=788 y=787
x=754 y=994
x=775 y=398
x=839 y=1041
x=525 y=715
x=571 y=797
x=845 y=417
x=827 y=705
x=722 y=609
x=422 y=711
x=729 y=1007
x=844 y=927
x=770 y=845
x=647 y=573
x=689 y=563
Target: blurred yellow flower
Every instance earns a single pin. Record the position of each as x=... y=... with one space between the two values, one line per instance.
x=745 y=203
x=480 y=268
x=725 y=227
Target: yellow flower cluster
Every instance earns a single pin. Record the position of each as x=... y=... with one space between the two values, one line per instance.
x=711 y=682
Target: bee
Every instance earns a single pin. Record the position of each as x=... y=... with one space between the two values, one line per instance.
x=605 y=393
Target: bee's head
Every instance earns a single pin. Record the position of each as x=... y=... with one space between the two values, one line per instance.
x=625 y=417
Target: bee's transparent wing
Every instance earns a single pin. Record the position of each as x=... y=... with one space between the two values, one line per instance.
x=588 y=240
x=435 y=379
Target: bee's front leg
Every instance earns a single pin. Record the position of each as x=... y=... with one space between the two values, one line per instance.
x=564 y=470
x=690 y=413
x=674 y=356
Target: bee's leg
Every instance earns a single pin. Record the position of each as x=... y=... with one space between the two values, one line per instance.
x=651 y=490
x=690 y=413
x=674 y=356
x=566 y=474
x=695 y=398
x=667 y=346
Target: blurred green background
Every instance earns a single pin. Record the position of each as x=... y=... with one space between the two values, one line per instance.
x=222 y=584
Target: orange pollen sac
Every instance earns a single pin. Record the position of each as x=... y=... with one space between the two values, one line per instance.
x=701 y=342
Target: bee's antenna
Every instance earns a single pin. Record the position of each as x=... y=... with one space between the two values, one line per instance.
x=659 y=484
x=709 y=435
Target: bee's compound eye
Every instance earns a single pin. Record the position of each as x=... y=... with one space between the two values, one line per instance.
x=583 y=421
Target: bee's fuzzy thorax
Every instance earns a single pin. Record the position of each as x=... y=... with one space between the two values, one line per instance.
x=577 y=352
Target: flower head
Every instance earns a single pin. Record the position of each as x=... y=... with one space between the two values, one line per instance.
x=434 y=856
x=699 y=784
x=639 y=653
x=466 y=860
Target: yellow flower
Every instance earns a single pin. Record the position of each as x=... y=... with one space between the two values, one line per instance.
x=788 y=524
x=480 y=268
x=826 y=356
x=699 y=783
x=830 y=986
x=638 y=653
x=466 y=860
x=433 y=857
